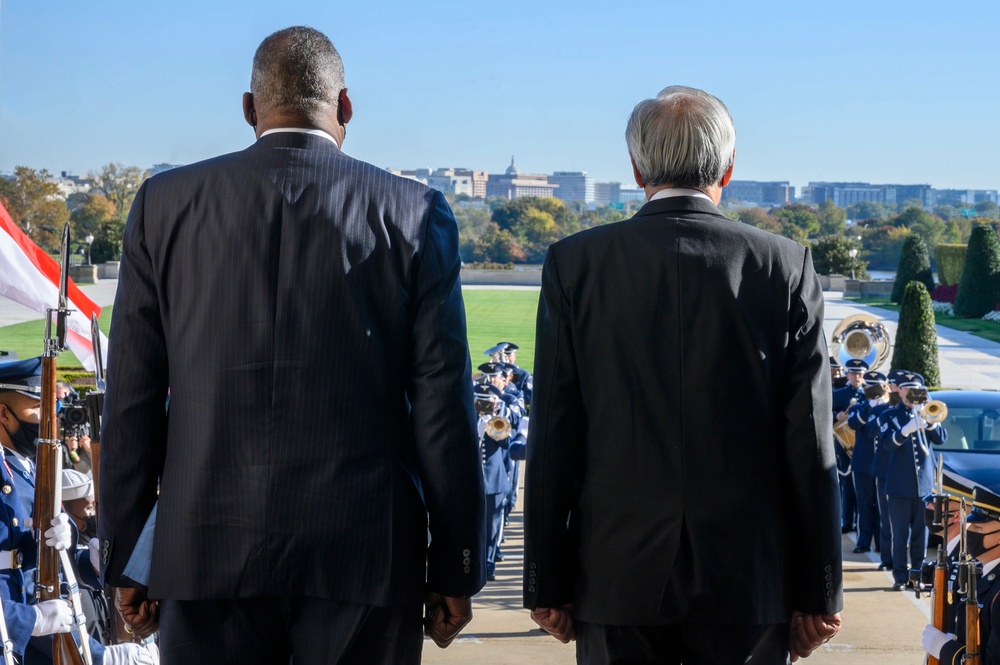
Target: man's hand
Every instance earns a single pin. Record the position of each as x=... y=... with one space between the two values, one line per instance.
x=445 y=617
x=841 y=417
x=85 y=443
x=556 y=621
x=808 y=631
x=139 y=613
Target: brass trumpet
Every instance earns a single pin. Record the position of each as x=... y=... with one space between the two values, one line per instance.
x=934 y=411
x=498 y=428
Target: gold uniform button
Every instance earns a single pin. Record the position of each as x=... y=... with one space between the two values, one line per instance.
x=14 y=522
x=6 y=489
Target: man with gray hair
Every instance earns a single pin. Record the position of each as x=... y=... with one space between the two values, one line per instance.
x=681 y=493
x=317 y=474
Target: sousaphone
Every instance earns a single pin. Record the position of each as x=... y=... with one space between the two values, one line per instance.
x=860 y=337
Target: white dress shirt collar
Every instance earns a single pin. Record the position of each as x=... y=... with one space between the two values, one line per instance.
x=300 y=130
x=671 y=192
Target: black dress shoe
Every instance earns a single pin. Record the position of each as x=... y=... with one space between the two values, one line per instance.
x=846 y=529
x=885 y=566
x=860 y=550
x=898 y=586
x=491 y=578
x=499 y=557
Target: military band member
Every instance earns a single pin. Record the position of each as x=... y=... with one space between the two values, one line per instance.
x=494 y=456
x=843 y=399
x=862 y=419
x=910 y=476
x=984 y=545
x=837 y=378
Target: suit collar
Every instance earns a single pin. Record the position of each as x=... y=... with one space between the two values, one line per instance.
x=296 y=140
x=680 y=204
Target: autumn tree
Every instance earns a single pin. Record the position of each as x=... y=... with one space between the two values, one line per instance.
x=36 y=205
x=832 y=220
x=119 y=184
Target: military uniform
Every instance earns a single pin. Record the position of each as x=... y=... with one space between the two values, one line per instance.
x=909 y=478
x=843 y=399
x=496 y=483
x=862 y=418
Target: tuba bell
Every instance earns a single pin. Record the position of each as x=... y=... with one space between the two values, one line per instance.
x=862 y=337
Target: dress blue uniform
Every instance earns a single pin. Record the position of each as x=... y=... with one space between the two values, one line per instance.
x=862 y=419
x=842 y=402
x=909 y=478
x=495 y=476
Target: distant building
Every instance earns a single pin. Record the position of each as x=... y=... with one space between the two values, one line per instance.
x=964 y=197
x=844 y=194
x=631 y=195
x=420 y=175
x=515 y=185
x=70 y=184
x=478 y=180
x=606 y=193
x=160 y=168
x=755 y=192
x=574 y=186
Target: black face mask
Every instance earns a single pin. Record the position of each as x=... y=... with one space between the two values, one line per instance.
x=89 y=528
x=929 y=522
x=23 y=440
x=977 y=543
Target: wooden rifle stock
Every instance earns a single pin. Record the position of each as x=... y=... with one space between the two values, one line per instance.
x=939 y=595
x=972 y=627
x=48 y=485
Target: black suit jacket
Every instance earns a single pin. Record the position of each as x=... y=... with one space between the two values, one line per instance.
x=680 y=458
x=304 y=310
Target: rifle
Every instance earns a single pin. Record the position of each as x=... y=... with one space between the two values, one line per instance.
x=939 y=592
x=968 y=573
x=48 y=485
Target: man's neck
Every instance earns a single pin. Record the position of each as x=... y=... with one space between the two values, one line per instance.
x=714 y=192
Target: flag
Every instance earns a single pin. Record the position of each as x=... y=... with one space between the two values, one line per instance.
x=30 y=277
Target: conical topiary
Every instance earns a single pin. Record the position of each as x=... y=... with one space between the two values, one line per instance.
x=914 y=264
x=916 y=347
x=977 y=291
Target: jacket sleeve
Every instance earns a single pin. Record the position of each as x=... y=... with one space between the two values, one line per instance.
x=442 y=416
x=815 y=570
x=555 y=459
x=134 y=426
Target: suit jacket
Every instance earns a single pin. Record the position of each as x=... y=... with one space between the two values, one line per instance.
x=304 y=310
x=680 y=460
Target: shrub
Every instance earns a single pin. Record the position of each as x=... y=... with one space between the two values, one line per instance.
x=945 y=293
x=949 y=263
x=977 y=290
x=916 y=335
x=831 y=255
x=914 y=264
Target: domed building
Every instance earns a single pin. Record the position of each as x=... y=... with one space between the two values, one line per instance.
x=513 y=184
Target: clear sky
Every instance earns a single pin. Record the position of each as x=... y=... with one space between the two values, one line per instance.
x=882 y=91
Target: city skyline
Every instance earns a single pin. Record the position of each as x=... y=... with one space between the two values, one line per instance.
x=882 y=92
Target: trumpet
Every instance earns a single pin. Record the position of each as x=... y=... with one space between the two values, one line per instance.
x=498 y=428
x=934 y=411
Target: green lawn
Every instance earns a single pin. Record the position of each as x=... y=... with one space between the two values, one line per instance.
x=493 y=316
x=986 y=329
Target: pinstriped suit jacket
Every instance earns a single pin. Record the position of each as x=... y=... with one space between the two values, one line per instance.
x=304 y=310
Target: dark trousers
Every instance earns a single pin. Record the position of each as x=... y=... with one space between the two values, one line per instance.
x=848 y=503
x=303 y=631
x=885 y=534
x=494 y=517
x=512 y=493
x=868 y=515
x=908 y=533
x=676 y=644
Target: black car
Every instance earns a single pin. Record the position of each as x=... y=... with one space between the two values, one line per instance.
x=973 y=446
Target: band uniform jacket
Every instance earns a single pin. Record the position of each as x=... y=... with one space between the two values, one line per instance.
x=910 y=473
x=680 y=462
x=303 y=308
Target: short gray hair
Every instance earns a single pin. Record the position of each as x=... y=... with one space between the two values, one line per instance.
x=685 y=138
x=296 y=69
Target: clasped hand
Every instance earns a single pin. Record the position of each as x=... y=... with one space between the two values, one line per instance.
x=556 y=621
x=140 y=614
x=808 y=631
x=445 y=617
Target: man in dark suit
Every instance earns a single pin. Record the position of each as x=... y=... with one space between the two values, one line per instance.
x=681 y=494
x=304 y=310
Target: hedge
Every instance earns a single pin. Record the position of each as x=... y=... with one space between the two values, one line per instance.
x=949 y=263
x=916 y=347
x=977 y=291
x=914 y=264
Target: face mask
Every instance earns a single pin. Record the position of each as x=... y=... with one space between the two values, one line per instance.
x=90 y=527
x=977 y=543
x=929 y=522
x=23 y=440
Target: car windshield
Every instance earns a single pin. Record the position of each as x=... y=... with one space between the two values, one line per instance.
x=973 y=429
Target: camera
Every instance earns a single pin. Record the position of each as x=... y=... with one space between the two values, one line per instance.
x=74 y=414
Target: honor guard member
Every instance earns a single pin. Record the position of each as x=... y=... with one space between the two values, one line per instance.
x=843 y=399
x=862 y=418
x=983 y=536
x=493 y=449
x=910 y=476
x=880 y=467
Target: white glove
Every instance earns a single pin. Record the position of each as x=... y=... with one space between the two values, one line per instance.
x=909 y=428
x=934 y=640
x=59 y=535
x=130 y=654
x=52 y=616
x=95 y=555
x=873 y=402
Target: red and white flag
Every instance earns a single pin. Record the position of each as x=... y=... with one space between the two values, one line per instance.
x=30 y=277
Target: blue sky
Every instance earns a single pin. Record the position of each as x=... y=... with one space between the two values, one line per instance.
x=878 y=91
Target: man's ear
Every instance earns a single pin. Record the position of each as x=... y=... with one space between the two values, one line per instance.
x=249 y=112
x=635 y=173
x=728 y=175
x=345 y=110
